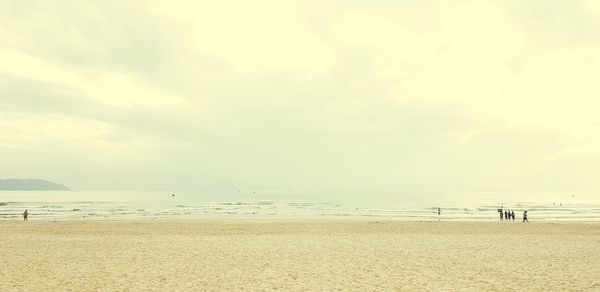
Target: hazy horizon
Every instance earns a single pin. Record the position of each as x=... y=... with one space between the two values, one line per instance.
x=340 y=96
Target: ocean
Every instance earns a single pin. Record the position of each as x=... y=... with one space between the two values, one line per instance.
x=52 y=205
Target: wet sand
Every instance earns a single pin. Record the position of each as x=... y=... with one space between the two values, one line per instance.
x=298 y=255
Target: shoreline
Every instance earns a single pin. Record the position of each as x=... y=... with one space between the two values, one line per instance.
x=297 y=219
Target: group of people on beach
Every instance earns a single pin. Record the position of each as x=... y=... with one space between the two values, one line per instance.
x=510 y=215
x=507 y=215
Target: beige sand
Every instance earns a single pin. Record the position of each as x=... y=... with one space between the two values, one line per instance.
x=298 y=255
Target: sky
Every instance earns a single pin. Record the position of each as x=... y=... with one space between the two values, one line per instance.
x=382 y=96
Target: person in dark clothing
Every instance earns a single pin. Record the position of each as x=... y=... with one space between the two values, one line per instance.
x=25 y=214
x=501 y=215
x=512 y=214
x=505 y=215
x=525 y=219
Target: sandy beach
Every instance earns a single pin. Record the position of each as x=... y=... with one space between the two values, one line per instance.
x=306 y=255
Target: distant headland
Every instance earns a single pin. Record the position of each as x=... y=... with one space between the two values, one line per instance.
x=30 y=185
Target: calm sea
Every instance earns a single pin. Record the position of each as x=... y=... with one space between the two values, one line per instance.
x=294 y=204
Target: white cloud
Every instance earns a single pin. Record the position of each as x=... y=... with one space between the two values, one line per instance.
x=110 y=87
x=412 y=95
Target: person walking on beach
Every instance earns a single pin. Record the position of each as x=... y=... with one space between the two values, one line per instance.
x=500 y=211
x=25 y=214
x=512 y=214
x=506 y=215
x=525 y=217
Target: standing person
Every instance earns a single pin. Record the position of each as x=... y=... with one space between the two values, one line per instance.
x=439 y=211
x=512 y=214
x=500 y=211
x=525 y=217
x=25 y=214
x=506 y=215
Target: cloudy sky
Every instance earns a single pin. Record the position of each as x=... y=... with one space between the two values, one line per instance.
x=407 y=96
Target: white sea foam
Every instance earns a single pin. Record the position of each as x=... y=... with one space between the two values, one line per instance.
x=190 y=205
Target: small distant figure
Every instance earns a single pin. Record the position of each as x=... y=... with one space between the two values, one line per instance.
x=512 y=214
x=525 y=217
x=501 y=215
x=439 y=211
x=25 y=214
x=506 y=215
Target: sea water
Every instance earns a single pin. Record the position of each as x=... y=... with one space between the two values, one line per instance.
x=295 y=204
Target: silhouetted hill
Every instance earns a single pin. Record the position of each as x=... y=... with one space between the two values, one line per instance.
x=30 y=185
